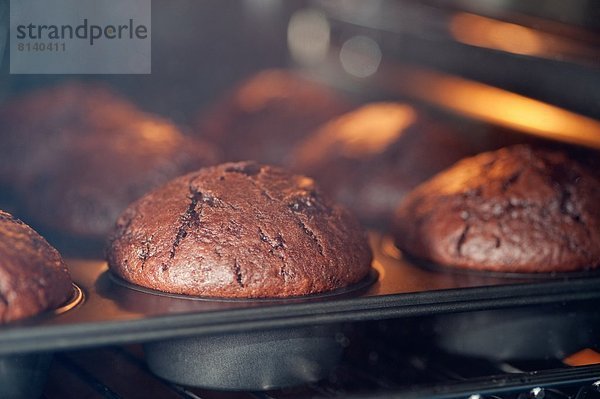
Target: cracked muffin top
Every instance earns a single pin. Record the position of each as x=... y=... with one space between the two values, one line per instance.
x=241 y=230
x=517 y=209
x=33 y=276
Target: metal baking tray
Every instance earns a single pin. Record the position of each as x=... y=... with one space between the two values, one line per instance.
x=112 y=313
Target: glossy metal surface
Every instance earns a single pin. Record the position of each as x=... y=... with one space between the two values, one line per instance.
x=113 y=313
x=254 y=361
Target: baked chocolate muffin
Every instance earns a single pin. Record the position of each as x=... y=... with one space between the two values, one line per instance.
x=33 y=276
x=39 y=125
x=90 y=153
x=370 y=158
x=84 y=192
x=265 y=116
x=517 y=209
x=240 y=230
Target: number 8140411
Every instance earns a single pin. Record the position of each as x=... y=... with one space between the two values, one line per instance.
x=38 y=46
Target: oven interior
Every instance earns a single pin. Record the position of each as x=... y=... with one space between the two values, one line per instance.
x=541 y=58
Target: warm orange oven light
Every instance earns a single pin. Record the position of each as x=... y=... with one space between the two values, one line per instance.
x=489 y=33
x=583 y=358
x=494 y=105
x=479 y=31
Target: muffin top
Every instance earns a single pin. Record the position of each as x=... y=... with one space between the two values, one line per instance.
x=92 y=181
x=241 y=230
x=90 y=153
x=517 y=209
x=370 y=158
x=33 y=276
x=265 y=116
x=38 y=125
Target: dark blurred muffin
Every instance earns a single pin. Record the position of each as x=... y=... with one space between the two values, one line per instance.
x=370 y=158
x=89 y=154
x=98 y=177
x=512 y=210
x=239 y=230
x=264 y=117
x=33 y=276
x=38 y=125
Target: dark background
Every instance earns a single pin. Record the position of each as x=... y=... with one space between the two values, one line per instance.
x=200 y=48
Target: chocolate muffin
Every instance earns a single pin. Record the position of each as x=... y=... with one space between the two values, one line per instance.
x=517 y=209
x=370 y=158
x=265 y=116
x=239 y=230
x=39 y=125
x=90 y=153
x=33 y=276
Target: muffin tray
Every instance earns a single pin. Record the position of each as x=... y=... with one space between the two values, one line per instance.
x=112 y=313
